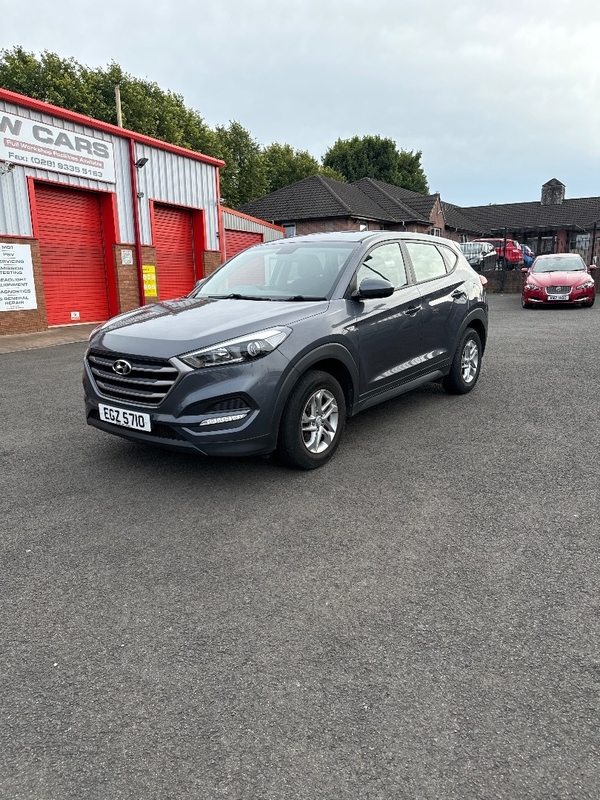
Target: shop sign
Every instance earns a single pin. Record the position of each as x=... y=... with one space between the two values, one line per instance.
x=17 y=285
x=150 y=287
x=30 y=143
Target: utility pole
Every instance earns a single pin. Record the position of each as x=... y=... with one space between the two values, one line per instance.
x=118 y=104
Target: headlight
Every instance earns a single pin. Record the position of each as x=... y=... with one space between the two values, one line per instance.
x=237 y=351
x=96 y=329
x=532 y=286
x=586 y=284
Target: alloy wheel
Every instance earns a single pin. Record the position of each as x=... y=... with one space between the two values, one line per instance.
x=469 y=361
x=320 y=420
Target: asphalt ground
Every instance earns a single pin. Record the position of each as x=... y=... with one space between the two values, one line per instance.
x=418 y=619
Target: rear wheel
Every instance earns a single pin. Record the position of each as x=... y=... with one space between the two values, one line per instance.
x=466 y=364
x=313 y=421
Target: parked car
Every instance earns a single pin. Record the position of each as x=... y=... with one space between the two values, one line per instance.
x=509 y=257
x=558 y=279
x=285 y=341
x=480 y=255
x=528 y=255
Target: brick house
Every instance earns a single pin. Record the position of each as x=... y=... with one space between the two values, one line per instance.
x=318 y=204
x=553 y=224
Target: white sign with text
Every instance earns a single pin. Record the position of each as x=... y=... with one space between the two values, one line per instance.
x=29 y=143
x=17 y=285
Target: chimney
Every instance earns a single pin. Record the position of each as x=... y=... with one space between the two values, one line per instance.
x=553 y=193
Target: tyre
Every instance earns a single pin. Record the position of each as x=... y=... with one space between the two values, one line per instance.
x=525 y=304
x=501 y=263
x=313 y=421
x=590 y=304
x=466 y=364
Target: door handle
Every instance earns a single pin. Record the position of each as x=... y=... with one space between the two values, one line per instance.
x=458 y=293
x=412 y=310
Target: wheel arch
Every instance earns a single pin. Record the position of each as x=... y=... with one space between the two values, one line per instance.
x=480 y=329
x=333 y=358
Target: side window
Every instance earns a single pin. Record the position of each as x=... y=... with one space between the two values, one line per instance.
x=426 y=260
x=385 y=261
x=450 y=257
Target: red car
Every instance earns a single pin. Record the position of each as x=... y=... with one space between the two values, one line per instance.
x=558 y=279
x=513 y=255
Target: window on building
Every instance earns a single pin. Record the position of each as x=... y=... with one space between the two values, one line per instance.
x=436 y=232
x=290 y=229
x=579 y=242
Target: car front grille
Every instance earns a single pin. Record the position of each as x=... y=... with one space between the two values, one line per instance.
x=147 y=382
x=558 y=289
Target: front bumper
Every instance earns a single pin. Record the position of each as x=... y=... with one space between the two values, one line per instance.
x=214 y=395
x=576 y=296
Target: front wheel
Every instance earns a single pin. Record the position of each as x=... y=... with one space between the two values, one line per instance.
x=466 y=364
x=313 y=421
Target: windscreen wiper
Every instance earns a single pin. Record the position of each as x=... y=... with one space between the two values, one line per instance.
x=300 y=298
x=236 y=296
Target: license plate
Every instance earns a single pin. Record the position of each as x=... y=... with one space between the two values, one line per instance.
x=127 y=419
x=558 y=297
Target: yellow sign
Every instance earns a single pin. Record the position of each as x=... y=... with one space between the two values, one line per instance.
x=149 y=273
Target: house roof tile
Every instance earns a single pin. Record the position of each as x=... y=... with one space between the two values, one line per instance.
x=316 y=197
x=580 y=212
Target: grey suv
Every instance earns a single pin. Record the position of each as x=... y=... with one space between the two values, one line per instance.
x=286 y=340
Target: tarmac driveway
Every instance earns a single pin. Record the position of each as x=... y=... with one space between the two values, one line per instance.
x=419 y=619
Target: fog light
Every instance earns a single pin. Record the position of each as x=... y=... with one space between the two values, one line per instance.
x=221 y=420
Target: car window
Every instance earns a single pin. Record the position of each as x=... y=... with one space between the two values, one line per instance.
x=282 y=270
x=450 y=256
x=385 y=261
x=559 y=264
x=427 y=261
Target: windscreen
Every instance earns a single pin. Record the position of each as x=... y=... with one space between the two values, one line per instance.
x=280 y=271
x=559 y=264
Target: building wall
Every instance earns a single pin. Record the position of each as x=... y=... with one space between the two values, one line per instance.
x=15 y=216
x=167 y=177
x=234 y=220
x=33 y=319
x=327 y=225
x=211 y=261
x=174 y=180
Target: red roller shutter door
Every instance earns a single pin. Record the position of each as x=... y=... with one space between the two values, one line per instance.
x=69 y=226
x=174 y=243
x=236 y=241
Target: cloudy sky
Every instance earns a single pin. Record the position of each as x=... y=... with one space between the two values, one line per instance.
x=499 y=100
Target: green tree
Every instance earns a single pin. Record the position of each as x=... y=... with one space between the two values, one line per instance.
x=147 y=108
x=379 y=158
x=410 y=172
x=284 y=165
x=244 y=177
x=329 y=172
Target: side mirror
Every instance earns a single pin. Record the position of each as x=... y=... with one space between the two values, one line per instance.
x=484 y=280
x=372 y=288
x=592 y=266
x=524 y=269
